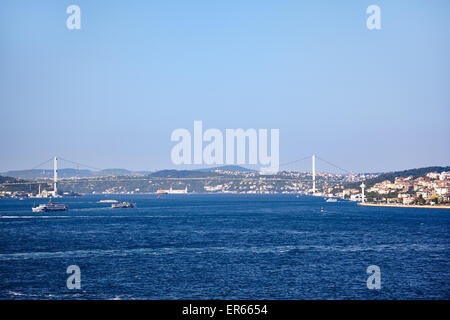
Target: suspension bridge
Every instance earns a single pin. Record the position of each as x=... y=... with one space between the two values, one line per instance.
x=284 y=167
x=313 y=158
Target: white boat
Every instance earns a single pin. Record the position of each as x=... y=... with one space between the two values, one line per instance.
x=123 y=205
x=172 y=191
x=331 y=200
x=108 y=201
x=50 y=207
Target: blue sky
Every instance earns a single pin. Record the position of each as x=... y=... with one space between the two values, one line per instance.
x=110 y=94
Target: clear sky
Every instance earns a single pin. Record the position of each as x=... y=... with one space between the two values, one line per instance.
x=110 y=95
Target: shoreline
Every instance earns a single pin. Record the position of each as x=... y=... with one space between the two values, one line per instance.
x=393 y=205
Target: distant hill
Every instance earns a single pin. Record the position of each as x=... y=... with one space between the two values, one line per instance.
x=182 y=174
x=198 y=173
x=114 y=172
x=66 y=173
x=4 y=179
x=227 y=168
x=71 y=173
x=419 y=172
x=36 y=173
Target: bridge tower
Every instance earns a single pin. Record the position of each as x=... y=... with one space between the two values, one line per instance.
x=314 y=173
x=55 y=176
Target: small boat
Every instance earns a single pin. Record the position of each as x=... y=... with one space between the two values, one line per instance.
x=123 y=205
x=108 y=201
x=331 y=200
x=50 y=207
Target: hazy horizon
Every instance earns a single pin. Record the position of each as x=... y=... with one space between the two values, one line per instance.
x=211 y=167
x=110 y=95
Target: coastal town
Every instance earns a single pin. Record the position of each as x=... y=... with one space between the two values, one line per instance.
x=176 y=182
x=430 y=188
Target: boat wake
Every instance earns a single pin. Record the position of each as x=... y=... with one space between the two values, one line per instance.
x=222 y=250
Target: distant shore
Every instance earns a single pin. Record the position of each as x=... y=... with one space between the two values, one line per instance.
x=404 y=205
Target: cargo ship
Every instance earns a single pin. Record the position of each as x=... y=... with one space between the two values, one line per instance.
x=50 y=207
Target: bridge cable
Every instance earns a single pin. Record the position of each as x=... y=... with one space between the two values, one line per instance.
x=42 y=164
x=81 y=165
x=331 y=164
x=295 y=161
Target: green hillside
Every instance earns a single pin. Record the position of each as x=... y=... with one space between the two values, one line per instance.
x=419 y=172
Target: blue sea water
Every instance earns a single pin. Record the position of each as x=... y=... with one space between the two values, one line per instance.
x=222 y=247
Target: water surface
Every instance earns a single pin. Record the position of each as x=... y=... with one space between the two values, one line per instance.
x=222 y=247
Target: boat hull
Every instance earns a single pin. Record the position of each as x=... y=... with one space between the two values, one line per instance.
x=123 y=205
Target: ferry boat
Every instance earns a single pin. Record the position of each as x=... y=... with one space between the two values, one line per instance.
x=50 y=207
x=123 y=205
x=108 y=201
